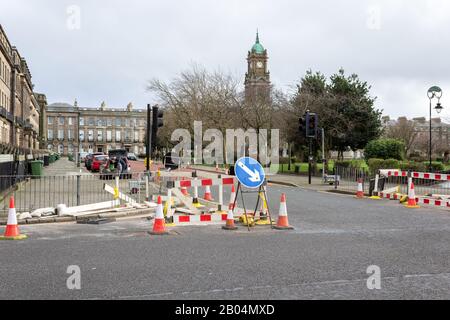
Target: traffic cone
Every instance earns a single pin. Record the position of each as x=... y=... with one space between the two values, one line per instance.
x=217 y=168
x=184 y=191
x=360 y=192
x=412 y=198
x=159 y=225
x=208 y=196
x=230 y=222
x=12 y=229
x=283 y=223
x=232 y=198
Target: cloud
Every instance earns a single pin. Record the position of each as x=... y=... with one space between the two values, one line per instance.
x=399 y=47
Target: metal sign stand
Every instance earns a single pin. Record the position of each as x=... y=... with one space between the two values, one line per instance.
x=260 y=190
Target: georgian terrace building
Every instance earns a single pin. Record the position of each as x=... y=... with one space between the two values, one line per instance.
x=19 y=107
x=70 y=128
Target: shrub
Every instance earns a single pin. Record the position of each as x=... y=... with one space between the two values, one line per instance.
x=385 y=149
x=413 y=166
x=377 y=164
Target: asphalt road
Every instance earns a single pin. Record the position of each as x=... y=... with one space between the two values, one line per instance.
x=336 y=238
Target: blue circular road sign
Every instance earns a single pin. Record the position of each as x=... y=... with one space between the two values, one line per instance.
x=249 y=172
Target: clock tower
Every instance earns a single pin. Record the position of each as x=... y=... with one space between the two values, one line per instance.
x=257 y=78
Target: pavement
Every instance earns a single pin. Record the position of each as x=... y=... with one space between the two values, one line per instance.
x=336 y=238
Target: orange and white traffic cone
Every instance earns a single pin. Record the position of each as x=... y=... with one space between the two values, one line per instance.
x=412 y=198
x=283 y=222
x=360 y=192
x=230 y=222
x=12 y=229
x=184 y=191
x=232 y=198
x=159 y=225
x=208 y=196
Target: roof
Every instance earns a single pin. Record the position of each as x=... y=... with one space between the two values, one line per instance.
x=257 y=47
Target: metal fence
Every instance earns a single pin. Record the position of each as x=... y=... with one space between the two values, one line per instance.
x=31 y=193
x=422 y=186
x=348 y=179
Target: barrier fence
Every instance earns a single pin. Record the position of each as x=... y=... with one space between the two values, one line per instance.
x=31 y=193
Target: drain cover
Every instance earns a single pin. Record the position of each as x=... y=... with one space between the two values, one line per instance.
x=96 y=221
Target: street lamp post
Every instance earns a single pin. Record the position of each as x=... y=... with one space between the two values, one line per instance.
x=434 y=92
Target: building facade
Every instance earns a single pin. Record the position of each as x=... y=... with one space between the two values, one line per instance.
x=19 y=108
x=70 y=128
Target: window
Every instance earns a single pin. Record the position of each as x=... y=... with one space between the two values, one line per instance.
x=70 y=121
x=136 y=136
x=50 y=147
x=126 y=122
x=118 y=122
x=61 y=120
x=109 y=122
x=50 y=120
x=109 y=135
x=91 y=122
x=70 y=149
x=61 y=149
x=118 y=138
x=99 y=122
x=81 y=121
x=100 y=135
x=81 y=135
x=91 y=135
x=70 y=134
x=50 y=134
x=61 y=134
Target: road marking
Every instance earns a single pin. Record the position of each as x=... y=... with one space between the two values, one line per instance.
x=316 y=283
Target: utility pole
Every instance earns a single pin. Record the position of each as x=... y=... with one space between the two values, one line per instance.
x=324 y=160
x=149 y=137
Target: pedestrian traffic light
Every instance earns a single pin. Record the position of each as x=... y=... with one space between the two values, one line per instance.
x=157 y=122
x=302 y=126
x=312 y=121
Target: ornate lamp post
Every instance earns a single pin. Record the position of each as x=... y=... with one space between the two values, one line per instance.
x=434 y=92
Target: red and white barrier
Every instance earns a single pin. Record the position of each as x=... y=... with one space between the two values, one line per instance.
x=199 y=219
x=417 y=175
x=203 y=182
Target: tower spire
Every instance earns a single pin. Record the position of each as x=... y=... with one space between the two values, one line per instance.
x=257 y=36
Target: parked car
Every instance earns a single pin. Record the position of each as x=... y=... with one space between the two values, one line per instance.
x=89 y=158
x=169 y=162
x=98 y=162
x=82 y=156
x=132 y=157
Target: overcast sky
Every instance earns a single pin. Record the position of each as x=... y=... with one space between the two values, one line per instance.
x=399 y=47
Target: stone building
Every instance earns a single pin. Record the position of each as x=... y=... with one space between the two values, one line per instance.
x=257 y=79
x=19 y=108
x=440 y=133
x=70 y=128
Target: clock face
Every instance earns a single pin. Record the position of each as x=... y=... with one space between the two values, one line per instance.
x=259 y=64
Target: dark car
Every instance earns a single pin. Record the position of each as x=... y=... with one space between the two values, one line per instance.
x=90 y=158
x=171 y=162
x=112 y=164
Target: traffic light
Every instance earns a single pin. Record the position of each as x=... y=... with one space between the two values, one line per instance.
x=302 y=126
x=312 y=122
x=157 y=122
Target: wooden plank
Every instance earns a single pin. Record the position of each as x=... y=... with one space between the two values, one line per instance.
x=187 y=201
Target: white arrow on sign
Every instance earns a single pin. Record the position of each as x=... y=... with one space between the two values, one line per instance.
x=254 y=175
